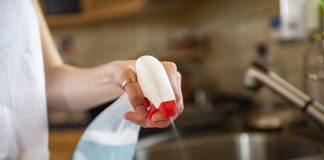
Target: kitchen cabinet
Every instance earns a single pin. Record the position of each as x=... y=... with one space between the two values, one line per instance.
x=90 y=5
x=62 y=142
x=93 y=11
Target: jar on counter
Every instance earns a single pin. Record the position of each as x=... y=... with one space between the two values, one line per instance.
x=314 y=68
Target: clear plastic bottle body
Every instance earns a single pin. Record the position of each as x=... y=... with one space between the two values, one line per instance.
x=314 y=76
x=109 y=136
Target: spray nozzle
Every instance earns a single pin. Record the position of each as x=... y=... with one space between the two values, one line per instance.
x=156 y=86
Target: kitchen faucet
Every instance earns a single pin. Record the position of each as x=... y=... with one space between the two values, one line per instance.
x=258 y=75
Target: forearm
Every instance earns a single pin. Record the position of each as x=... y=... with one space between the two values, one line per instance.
x=76 y=89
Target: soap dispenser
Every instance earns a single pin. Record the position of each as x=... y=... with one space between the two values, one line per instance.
x=314 y=68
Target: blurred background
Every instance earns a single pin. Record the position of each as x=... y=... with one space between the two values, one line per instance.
x=213 y=43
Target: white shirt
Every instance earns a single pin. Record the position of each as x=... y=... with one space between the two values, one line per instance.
x=23 y=113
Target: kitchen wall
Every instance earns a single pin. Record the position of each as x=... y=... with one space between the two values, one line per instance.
x=234 y=29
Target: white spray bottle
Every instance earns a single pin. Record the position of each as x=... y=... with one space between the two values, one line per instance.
x=110 y=136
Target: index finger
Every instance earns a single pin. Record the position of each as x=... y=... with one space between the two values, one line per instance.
x=134 y=92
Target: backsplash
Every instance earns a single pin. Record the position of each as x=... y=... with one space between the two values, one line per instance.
x=234 y=29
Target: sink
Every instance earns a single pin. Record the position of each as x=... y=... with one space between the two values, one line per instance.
x=241 y=146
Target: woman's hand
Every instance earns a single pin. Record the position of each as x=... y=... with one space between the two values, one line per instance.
x=125 y=71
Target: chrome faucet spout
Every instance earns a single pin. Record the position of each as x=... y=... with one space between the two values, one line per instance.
x=256 y=76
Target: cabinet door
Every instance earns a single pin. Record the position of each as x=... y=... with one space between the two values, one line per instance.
x=90 y=5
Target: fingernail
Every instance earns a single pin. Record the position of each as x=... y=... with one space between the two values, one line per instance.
x=148 y=123
x=125 y=116
x=154 y=119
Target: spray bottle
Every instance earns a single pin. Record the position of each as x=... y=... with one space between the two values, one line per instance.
x=110 y=136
